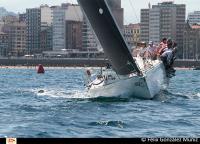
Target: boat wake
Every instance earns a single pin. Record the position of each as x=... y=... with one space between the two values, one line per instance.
x=164 y=95
x=74 y=94
x=61 y=93
x=77 y=94
x=84 y=95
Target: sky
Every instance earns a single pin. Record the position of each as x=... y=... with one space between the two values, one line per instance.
x=131 y=7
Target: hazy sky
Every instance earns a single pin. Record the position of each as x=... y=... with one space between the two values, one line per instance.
x=131 y=7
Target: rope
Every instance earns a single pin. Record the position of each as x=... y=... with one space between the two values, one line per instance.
x=133 y=10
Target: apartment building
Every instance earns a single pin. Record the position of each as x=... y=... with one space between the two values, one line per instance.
x=33 y=22
x=16 y=37
x=165 y=19
x=3 y=44
x=132 y=34
x=63 y=16
x=194 y=17
x=191 y=41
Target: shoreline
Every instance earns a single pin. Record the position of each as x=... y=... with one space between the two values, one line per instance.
x=66 y=67
x=45 y=67
x=81 y=62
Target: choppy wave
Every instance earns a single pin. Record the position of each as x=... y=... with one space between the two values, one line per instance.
x=118 y=124
x=56 y=104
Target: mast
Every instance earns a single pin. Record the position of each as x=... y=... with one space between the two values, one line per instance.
x=109 y=36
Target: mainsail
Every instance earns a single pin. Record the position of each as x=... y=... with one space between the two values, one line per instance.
x=109 y=36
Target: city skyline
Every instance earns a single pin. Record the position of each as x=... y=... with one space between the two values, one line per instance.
x=131 y=10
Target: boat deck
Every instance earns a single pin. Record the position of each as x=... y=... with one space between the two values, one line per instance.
x=146 y=64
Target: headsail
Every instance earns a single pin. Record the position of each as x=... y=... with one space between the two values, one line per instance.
x=109 y=36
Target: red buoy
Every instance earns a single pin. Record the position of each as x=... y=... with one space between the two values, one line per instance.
x=40 y=69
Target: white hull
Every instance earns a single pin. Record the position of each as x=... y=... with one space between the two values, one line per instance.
x=145 y=87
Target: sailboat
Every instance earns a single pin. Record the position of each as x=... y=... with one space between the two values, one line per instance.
x=129 y=76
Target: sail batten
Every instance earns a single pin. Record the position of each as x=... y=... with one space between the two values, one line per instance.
x=109 y=36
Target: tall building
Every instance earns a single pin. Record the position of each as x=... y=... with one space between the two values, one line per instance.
x=155 y=22
x=39 y=29
x=16 y=37
x=62 y=14
x=46 y=15
x=58 y=28
x=46 y=34
x=22 y=17
x=132 y=34
x=117 y=11
x=46 y=38
x=73 y=35
x=144 y=25
x=194 y=17
x=165 y=20
x=191 y=42
x=90 y=42
x=3 y=44
x=33 y=22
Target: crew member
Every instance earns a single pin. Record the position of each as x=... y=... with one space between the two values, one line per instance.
x=139 y=50
x=162 y=46
x=168 y=57
x=150 y=51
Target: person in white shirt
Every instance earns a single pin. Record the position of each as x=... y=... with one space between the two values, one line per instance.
x=150 y=51
x=138 y=51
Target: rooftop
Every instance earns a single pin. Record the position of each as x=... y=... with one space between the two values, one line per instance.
x=133 y=26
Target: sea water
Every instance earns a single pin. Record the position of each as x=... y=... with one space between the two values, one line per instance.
x=55 y=104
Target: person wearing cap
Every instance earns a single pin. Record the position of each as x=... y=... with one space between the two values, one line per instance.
x=150 y=51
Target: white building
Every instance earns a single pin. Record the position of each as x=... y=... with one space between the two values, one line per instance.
x=144 y=25
x=194 y=17
x=89 y=40
x=60 y=15
x=46 y=15
x=154 y=25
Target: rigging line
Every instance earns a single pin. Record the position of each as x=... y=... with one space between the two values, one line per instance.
x=134 y=10
x=126 y=22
